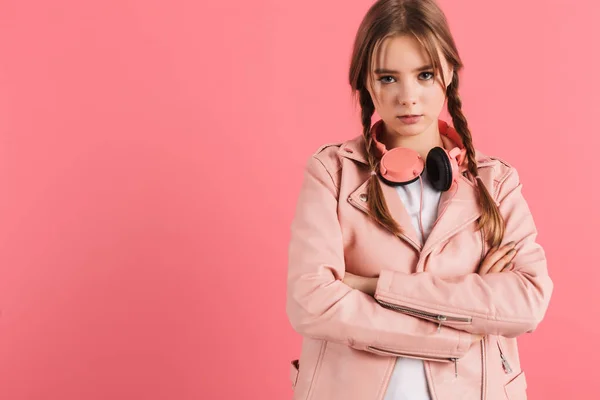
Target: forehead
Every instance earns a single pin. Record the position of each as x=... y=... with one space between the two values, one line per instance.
x=401 y=53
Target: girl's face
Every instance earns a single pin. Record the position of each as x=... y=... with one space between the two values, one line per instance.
x=402 y=83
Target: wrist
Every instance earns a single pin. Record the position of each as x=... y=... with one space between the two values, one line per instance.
x=371 y=286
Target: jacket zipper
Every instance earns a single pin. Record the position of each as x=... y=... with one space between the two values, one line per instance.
x=424 y=314
x=483 y=368
x=505 y=363
x=409 y=355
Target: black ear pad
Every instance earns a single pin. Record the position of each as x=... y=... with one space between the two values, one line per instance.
x=390 y=183
x=439 y=169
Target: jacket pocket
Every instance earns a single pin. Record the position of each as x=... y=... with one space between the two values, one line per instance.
x=385 y=352
x=304 y=379
x=424 y=357
x=516 y=389
x=294 y=371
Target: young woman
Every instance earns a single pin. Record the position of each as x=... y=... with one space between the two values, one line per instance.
x=413 y=261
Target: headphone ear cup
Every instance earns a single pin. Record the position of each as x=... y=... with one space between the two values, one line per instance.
x=439 y=169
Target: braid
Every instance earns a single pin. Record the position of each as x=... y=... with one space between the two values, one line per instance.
x=377 y=205
x=491 y=220
x=367 y=110
x=460 y=124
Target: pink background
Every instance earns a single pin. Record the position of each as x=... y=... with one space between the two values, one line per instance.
x=150 y=157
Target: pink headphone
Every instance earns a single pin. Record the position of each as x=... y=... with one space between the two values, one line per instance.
x=401 y=166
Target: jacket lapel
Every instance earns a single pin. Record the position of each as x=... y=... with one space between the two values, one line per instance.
x=354 y=149
x=395 y=207
x=458 y=207
x=400 y=215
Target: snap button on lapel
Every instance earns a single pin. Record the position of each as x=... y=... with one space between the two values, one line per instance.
x=363 y=197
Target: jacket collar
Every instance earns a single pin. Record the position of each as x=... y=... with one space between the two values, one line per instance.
x=457 y=208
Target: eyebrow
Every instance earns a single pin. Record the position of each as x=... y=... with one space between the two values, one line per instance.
x=391 y=71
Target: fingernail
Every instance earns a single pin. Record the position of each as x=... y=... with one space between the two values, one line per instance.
x=510 y=244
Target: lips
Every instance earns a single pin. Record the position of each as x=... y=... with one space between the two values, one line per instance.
x=410 y=119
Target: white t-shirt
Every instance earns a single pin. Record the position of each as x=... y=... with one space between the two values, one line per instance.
x=408 y=380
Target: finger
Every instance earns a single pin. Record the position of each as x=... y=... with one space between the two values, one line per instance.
x=492 y=257
x=503 y=262
x=509 y=267
x=498 y=267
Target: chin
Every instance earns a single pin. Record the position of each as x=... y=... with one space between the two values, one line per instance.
x=409 y=130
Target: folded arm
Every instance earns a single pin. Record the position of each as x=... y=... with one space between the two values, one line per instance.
x=320 y=305
x=508 y=303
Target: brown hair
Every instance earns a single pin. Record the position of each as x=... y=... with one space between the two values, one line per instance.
x=424 y=20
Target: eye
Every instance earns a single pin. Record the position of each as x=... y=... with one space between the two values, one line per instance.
x=382 y=79
x=429 y=73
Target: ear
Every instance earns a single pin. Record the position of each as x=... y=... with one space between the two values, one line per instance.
x=449 y=76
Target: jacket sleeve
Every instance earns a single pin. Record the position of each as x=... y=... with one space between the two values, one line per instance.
x=319 y=305
x=506 y=303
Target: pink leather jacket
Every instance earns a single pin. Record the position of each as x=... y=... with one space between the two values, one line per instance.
x=429 y=298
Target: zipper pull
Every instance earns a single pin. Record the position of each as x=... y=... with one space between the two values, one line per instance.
x=440 y=318
x=455 y=367
x=505 y=364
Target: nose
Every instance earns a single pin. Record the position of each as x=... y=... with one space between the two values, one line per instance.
x=408 y=94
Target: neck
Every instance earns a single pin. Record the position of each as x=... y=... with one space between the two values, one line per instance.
x=421 y=143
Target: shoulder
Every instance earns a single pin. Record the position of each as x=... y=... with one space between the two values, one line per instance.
x=328 y=159
x=500 y=167
x=324 y=164
x=497 y=173
x=330 y=154
x=327 y=150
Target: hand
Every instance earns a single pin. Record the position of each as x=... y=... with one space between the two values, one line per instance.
x=362 y=283
x=498 y=259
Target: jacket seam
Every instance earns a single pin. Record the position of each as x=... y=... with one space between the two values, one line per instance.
x=385 y=380
x=501 y=182
x=337 y=189
x=317 y=368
